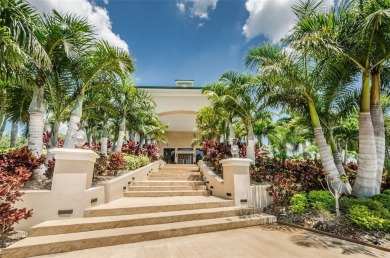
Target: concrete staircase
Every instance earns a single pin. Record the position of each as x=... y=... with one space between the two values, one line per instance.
x=173 y=202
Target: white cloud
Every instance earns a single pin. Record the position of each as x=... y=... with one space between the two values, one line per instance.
x=105 y=1
x=96 y=15
x=181 y=6
x=201 y=8
x=271 y=18
x=198 y=8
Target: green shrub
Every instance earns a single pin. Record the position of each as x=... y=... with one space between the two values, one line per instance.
x=373 y=206
x=299 y=203
x=387 y=192
x=382 y=198
x=321 y=200
x=134 y=162
x=363 y=217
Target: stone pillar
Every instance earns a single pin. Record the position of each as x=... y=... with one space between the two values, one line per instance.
x=236 y=179
x=73 y=170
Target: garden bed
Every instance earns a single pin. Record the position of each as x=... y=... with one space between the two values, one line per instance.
x=336 y=226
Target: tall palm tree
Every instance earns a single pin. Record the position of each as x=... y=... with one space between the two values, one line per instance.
x=296 y=84
x=101 y=64
x=245 y=99
x=359 y=32
x=99 y=108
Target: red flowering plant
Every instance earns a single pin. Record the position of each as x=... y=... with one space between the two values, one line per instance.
x=16 y=168
x=116 y=162
x=214 y=152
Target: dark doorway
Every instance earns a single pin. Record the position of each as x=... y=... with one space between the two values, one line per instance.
x=169 y=156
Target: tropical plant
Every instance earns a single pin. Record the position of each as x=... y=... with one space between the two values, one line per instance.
x=357 y=31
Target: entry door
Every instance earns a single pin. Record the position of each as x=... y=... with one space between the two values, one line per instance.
x=185 y=159
x=169 y=155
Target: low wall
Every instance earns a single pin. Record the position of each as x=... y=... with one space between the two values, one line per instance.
x=256 y=195
x=214 y=182
x=115 y=188
x=48 y=204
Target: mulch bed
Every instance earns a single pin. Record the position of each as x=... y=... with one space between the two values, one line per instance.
x=336 y=226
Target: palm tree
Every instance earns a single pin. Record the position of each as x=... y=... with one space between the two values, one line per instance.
x=216 y=93
x=244 y=99
x=99 y=66
x=19 y=25
x=99 y=109
x=295 y=83
x=359 y=32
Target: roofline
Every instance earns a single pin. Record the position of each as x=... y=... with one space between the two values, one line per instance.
x=171 y=87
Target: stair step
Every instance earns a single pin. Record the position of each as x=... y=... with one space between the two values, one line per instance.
x=41 y=245
x=135 y=205
x=55 y=227
x=174 y=173
x=168 y=183
x=166 y=193
x=175 y=178
x=166 y=188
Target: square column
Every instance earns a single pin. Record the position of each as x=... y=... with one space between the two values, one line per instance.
x=236 y=178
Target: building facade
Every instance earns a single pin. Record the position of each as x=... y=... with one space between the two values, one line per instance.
x=176 y=106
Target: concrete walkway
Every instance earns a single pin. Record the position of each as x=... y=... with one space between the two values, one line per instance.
x=266 y=241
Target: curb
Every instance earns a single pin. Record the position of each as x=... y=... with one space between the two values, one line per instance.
x=336 y=236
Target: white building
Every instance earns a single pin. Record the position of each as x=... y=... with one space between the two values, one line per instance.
x=177 y=107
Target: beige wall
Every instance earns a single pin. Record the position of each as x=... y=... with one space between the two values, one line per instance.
x=178 y=140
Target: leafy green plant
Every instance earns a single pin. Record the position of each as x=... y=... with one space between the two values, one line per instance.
x=384 y=199
x=134 y=162
x=299 y=203
x=321 y=200
x=363 y=217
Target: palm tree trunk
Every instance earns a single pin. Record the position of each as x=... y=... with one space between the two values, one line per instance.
x=365 y=183
x=14 y=134
x=346 y=153
x=3 y=123
x=104 y=139
x=250 y=150
x=121 y=136
x=75 y=117
x=379 y=126
x=338 y=163
x=54 y=134
x=231 y=133
x=36 y=123
x=327 y=160
x=304 y=152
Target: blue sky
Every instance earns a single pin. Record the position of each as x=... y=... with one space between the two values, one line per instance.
x=182 y=39
x=169 y=44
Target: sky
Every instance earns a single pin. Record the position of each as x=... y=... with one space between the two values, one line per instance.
x=182 y=39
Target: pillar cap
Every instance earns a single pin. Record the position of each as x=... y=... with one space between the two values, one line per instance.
x=236 y=162
x=74 y=154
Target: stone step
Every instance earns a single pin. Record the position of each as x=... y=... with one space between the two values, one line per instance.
x=168 y=183
x=166 y=193
x=135 y=205
x=166 y=188
x=174 y=173
x=180 y=167
x=66 y=226
x=42 y=245
x=177 y=178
